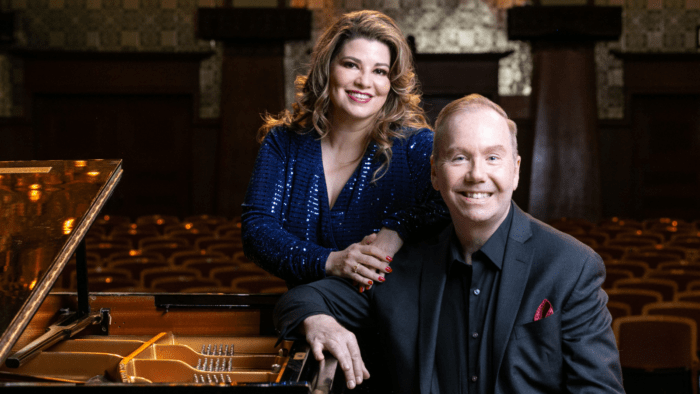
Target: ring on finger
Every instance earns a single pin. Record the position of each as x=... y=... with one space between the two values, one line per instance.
x=354 y=270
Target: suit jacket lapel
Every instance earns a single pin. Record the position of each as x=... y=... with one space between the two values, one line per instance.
x=516 y=267
x=431 y=288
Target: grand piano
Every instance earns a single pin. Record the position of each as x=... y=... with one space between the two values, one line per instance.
x=125 y=342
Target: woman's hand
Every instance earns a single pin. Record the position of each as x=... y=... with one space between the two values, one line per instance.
x=363 y=263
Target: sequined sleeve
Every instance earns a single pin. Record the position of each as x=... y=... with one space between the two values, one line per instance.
x=429 y=214
x=265 y=240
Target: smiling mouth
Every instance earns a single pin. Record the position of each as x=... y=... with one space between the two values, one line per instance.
x=359 y=96
x=476 y=196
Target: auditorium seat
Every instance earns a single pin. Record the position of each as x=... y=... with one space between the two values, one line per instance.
x=108 y=222
x=619 y=309
x=657 y=353
x=92 y=239
x=106 y=249
x=616 y=252
x=134 y=235
x=205 y=242
x=166 y=249
x=190 y=236
x=638 y=268
x=178 y=259
x=613 y=274
x=656 y=238
x=208 y=290
x=690 y=266
x=210 y=221
x=161 y=240
x=133 y=226
x=226 y=275
x=690 y=310
x=614 y=231
x=667 y=288
x=135 y=253
x=103 y=277
x=631 y=243
x=681 y=253
x=670 y=231
x=96 y=231
x=681 y=277
x=184 y=226
x=635 y=298
x=205 y=264
x=226 y=228
x=600 y=237
x=653 y=259
x=693 y=285
x=258 y=284
x=689 y=295
x=227 y=249
x=68 y=272
x=656 y=222
x=160 y=221
x=136 y=265
x=622 y=222
x=241 y=258
x=691 y=243
x=108 y=283
x=177 y=284
x=150 y=274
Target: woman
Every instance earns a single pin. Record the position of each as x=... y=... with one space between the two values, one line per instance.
x=342 y=180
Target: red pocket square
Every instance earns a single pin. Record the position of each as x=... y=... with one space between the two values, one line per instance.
x=544 y=310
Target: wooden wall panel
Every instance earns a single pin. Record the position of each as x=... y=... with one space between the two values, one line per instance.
x=140 y=107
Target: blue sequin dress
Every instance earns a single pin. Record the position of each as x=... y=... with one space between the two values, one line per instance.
x=288 y=227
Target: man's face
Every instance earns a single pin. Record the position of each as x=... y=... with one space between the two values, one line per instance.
x=475 y=170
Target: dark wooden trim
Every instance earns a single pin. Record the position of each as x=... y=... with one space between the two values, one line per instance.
x=246 y=24
x=460 y=57
x=657 y=56
x=84 y=72
x=564 y=23
x=111 y=56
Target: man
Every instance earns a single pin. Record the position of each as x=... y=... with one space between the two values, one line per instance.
x=497 y=303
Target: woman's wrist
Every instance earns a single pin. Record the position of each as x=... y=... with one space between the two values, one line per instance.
x=388 y=240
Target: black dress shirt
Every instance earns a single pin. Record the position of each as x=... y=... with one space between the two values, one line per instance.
x=464 y=346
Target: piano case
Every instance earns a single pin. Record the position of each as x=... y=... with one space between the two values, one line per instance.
x=123 y=342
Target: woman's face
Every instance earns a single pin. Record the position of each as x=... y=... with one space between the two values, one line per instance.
x=359 y=81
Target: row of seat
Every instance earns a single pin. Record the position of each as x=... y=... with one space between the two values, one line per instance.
x=214 y=273
x=653 y=285
x=157 y=253
x=659 y=349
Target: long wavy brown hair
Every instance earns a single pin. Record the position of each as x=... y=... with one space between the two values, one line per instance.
x=402 y=108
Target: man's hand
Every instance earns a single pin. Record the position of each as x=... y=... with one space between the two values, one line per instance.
x=325 y=333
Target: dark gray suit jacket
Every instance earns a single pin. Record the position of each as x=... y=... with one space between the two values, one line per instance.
x=573 y=350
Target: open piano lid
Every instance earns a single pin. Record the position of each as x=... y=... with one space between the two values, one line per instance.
x=46 y=208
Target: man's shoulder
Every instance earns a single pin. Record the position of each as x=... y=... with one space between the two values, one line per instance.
x=554 y=246
x=416 y=251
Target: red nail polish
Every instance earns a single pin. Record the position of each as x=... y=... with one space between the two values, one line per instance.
x=389 y=259
x=381 y=279
x=387 y=269
x=362 y=289
x=369 y=282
